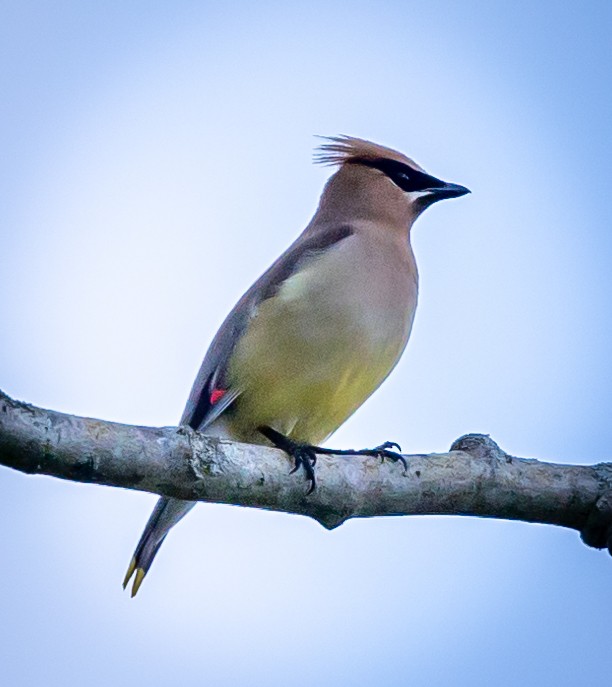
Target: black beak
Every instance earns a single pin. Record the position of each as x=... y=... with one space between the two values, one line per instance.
x=435 y=190
x=445 y=190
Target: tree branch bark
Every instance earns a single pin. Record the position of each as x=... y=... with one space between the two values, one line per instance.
x=475 y=478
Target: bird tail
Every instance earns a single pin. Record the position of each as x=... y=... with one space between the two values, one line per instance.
x=165 y=515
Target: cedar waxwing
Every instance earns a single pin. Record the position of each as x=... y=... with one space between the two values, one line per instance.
x=321 y=329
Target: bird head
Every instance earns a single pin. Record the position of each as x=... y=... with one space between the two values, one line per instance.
x=381 y=179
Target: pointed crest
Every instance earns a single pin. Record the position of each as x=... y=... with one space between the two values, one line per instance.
x=347 y=149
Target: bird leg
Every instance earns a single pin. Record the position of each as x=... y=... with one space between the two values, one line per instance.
x=305 y=455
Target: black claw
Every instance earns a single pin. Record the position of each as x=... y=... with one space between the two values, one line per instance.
x=306 y=458
x=308 y=462
x=383 y=452
x=388 y=444
x=395 y=457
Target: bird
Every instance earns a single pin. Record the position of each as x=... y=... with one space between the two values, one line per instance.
x=321 y=329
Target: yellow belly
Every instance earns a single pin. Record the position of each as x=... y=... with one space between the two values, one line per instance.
x=304 y=371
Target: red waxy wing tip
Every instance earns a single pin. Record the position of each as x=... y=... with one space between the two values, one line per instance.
x=217 y=395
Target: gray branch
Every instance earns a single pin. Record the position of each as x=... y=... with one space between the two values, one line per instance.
x=475 y=478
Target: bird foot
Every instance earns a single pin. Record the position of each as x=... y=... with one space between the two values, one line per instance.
x=304 y=455
x=383 y=451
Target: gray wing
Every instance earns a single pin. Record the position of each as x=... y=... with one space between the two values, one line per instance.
x=211 y=394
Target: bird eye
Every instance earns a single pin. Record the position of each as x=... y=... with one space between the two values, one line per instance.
x=408 y=179
x=411 y=182
x=405 y=181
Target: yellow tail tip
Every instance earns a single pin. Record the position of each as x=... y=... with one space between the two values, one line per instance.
x=129 y=573
x=140 y=575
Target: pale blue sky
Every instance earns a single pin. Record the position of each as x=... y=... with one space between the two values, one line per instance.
x=155 y=158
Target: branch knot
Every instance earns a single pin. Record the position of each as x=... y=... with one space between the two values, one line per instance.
x=597 y=531
x=481 y=446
